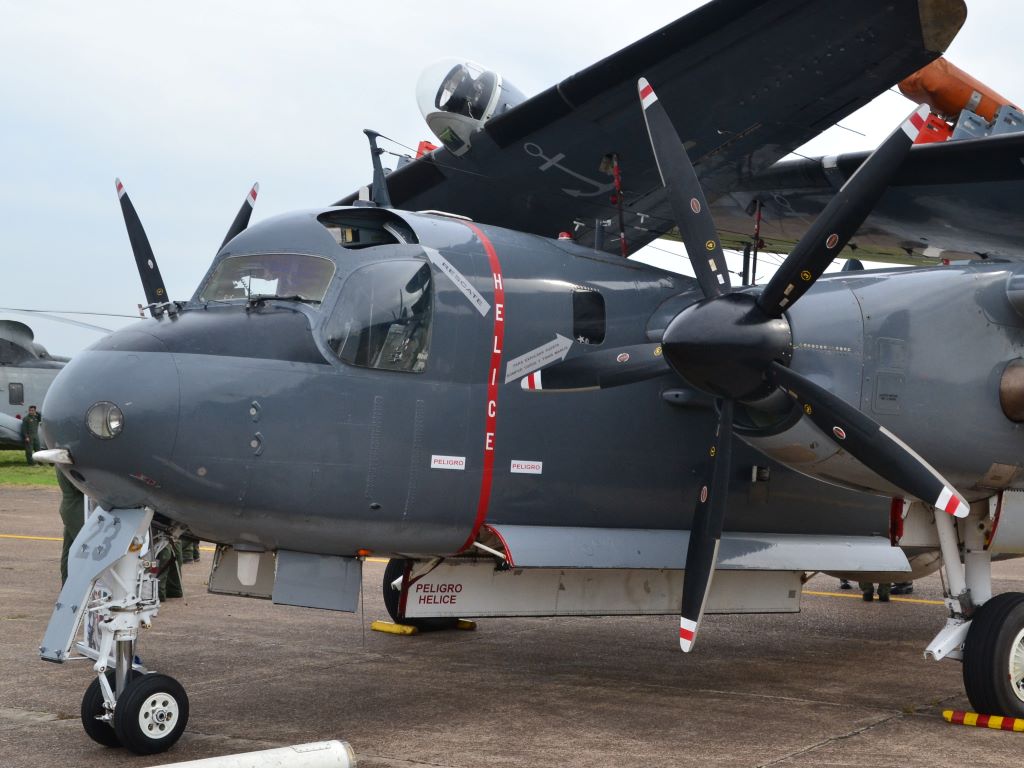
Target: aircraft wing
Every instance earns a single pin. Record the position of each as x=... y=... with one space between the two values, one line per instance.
x=744 y=82
x=953 y=200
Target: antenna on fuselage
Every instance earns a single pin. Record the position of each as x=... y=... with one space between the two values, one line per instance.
x=379 y=190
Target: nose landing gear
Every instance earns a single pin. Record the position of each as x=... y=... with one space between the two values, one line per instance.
x=113 y=589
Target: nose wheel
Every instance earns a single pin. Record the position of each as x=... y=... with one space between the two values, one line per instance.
x=151 y=715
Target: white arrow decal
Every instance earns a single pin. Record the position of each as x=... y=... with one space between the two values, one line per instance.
x=463 y=284
x=556 y=349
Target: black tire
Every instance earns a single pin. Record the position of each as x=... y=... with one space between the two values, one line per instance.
x=100 y=731
x=394 y=569
x=151 y=715
x=996 y=630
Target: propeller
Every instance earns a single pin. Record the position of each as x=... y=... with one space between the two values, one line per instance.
x=685 y=196
x=737 y=346
x=242 y=217
x=152 y=282
x=706 y=530
x=844 y=214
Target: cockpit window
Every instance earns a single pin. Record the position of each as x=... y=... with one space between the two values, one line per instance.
x=287 y=275
x=382 y=318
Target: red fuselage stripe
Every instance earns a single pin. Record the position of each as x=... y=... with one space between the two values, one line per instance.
x=493 y=371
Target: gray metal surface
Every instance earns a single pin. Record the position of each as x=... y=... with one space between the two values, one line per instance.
x=224 y=575
x=104 y=539
x=318 y=581
x=563 y=547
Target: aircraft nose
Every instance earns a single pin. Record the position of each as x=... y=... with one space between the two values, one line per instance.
x=115 y=408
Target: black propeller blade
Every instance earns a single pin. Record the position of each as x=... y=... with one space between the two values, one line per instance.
x=690 y=209
x=600 y=370
x=152 y=282
x=706 y=530
x=841 y=218
x=242 y=217
x=870 y=443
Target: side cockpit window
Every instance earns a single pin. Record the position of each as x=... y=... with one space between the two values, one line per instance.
x=382 y=318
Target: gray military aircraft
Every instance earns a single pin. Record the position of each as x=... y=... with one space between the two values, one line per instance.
x=26 y=371
x=361 y=379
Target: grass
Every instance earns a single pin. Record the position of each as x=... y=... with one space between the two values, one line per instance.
x=14 y=471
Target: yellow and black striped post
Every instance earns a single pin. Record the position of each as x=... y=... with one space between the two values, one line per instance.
x=995 y=722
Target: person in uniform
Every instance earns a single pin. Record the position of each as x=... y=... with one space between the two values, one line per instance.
x=169 y=560
x=868 y=590
x=72 y=513
x=189 y=549
x=30 y=432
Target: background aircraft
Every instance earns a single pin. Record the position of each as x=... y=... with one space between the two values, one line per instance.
x=392 y=325
x=26 y=371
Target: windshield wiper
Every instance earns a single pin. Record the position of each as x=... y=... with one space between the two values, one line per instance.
x=257 y=298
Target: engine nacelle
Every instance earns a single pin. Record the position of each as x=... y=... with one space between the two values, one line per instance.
x=457 y=97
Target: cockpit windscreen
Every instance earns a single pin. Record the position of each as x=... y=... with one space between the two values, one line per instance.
x=285 y=275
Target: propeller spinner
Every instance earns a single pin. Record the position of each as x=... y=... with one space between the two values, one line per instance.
x=737 y=345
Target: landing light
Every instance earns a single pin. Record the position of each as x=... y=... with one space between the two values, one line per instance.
x=104 y=420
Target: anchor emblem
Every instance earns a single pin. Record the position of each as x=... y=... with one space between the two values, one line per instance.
x=534 y=150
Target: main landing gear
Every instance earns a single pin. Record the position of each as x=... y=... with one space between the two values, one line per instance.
x=113 y=589
x=398 y=575
x=985 y=632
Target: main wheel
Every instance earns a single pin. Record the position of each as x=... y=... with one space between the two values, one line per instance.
x=393 y=570
x=151 y=715
x=994 y=657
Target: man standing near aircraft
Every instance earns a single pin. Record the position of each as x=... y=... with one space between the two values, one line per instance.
x=30 y=432
x=72 y=513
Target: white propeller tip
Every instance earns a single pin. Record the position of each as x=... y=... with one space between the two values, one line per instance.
x=953 y=503
x=914 y=124
x=647 y=95
x=531 y=382
x=687 y=634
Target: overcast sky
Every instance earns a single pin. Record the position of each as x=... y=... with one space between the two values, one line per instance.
x=190 y=102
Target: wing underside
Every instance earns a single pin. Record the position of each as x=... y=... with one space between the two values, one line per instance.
x=744 y=82
x=951 y=200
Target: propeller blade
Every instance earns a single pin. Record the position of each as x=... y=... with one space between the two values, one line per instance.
x=152 y=282
x=870 y=443
x=600 y=370
x=706 y=531
x=242 y=218
x=689 y=208
x=841 y=218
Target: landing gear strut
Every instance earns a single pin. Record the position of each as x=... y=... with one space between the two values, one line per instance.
x=985 y=632
x=113 y=587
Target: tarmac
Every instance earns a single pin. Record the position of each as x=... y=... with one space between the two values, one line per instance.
x=843 y=683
